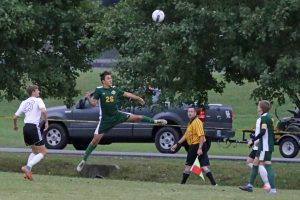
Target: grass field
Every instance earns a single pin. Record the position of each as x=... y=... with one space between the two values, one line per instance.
x=55 y=187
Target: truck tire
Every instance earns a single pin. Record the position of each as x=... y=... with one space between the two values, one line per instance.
x=288 y=147
x=56 y=137
x=165 y=138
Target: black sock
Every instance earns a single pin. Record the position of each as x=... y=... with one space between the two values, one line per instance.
x=185 y=176
x=211 y=178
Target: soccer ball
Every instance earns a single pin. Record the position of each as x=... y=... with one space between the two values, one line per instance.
x=158 y=16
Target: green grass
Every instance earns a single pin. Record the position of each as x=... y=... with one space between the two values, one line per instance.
x=234 y=95
x=53 y=187
x=161 y=170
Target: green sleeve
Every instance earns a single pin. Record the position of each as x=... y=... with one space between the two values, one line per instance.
x=96 y=94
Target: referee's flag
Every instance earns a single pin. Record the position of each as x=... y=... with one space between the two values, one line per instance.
x=196 y=168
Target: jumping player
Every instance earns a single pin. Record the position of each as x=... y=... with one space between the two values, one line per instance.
x=108 y=97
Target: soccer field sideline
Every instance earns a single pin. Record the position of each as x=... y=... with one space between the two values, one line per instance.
x=139 y=154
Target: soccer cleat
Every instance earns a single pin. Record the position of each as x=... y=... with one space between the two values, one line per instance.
x=266 y=187
x=160 y=121
x=247 y=188
x=272 y=192
x=27 y=173
x=80 y=166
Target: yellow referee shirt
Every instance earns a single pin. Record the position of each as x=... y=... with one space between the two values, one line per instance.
x=194 y=131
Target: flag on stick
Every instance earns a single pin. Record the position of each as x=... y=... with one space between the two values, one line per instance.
x=196 y=168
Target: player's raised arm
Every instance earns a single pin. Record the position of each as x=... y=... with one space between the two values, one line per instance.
x=91 y=100
x=134 y=97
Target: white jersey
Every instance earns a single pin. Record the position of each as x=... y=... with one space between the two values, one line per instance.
x=257 y=131
x=31 y=107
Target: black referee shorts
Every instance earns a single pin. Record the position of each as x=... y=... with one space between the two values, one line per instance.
x=252 y=154
x=32 y=135
x=192 y=155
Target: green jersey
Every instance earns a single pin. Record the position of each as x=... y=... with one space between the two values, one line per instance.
x=108 y=99
x=266 y=143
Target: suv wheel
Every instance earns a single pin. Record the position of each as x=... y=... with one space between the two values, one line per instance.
x=165 y=138
x=56 y=137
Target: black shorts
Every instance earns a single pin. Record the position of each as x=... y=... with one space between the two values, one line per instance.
x=252 y=154
x=33 y=135
x=192 y=155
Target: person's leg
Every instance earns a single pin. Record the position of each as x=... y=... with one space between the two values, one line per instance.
x=268 y=166
x=142 y=118
x=264 y=176
x=209 y=175
x=190 y=158
x=40 y=152
x=204 y=162
x=185 y=175
x=253 y=174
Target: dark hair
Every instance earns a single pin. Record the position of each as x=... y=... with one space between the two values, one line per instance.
x=104 y=74
x=195 y=109
x=264 y=105
x=31 y=88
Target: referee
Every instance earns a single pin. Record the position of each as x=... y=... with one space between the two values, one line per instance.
x=194 y=135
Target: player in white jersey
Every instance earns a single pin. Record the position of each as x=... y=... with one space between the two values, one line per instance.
x=33 y=108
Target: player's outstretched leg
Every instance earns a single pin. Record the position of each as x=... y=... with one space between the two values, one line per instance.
x=142 y=118
x=92 y=146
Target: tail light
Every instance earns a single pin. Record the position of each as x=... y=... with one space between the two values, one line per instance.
x=201 y=114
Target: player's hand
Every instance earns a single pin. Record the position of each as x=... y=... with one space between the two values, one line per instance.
x=250 y=143
x=256 y=142
x=46 y=126
x=87 y=94
x=199 y=152
x=141 y=101
x=174 y=147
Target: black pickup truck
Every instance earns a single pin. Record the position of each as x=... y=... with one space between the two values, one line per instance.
x=77 y=125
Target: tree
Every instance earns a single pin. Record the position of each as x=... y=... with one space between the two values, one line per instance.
x=41 y=43
x=257 y=41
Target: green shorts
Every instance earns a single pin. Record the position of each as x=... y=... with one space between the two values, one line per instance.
x=108 y=122
x=264 y=155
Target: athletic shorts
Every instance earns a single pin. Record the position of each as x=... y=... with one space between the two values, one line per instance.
x=32 y=135
x=264 y=155
x=192 y=155
x=252 y=154
x=108 y=122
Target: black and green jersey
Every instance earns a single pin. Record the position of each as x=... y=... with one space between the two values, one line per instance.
x=266 y=143
x=108 y=99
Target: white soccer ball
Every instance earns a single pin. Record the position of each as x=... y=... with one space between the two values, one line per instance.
x=158 y=16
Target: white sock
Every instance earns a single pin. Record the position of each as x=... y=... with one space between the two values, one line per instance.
x=37 y=158
x=31 y=155
x=263 y=174
x=250 y=165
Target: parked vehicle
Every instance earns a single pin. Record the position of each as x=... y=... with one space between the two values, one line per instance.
x=287 y=134
x=77 y=125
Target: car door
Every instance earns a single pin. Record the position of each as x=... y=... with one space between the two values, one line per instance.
x=85 y=119
x=142 y=130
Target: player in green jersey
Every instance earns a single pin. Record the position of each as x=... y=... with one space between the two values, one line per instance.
x=108 y=97
x=265 y=142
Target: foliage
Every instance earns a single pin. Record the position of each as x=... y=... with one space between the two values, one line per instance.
x=41 y=44
x=256 y=41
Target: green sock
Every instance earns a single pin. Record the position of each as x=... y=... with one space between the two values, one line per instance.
x=253 y=175
x=88 y=151
x=147 y=119
x=270 y=175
